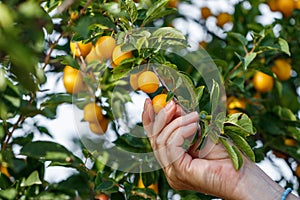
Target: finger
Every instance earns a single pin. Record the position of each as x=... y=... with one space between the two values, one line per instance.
x=179 y=111
x=163 y=150
x=164 y=117
x=175 y=142
x=148 y=117
x=180 y=124
x=175 y=124
x=209 y=150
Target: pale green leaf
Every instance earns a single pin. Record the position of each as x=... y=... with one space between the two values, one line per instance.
x=3 y=82
x=132 y=10
x=214 y=96
x=15 y=101
x=10 y=193
x=248 y=59
x=284 y=46
x=154 y=10
x=240 y=122
x=239 y=156
x=33 y=179
x=232 y=153
x=168 y=33
x=241 y=143
x=199 y=92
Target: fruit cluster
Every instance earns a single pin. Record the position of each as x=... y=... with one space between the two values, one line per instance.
x=105 y=49
x=262 y=83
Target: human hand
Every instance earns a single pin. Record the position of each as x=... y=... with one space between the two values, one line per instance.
x=212 y=174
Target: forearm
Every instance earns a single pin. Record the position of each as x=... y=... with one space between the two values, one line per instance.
x=256 y=185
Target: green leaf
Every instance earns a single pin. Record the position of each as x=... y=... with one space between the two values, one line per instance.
x=2 y=132
x=51 y=151
x=53 y=196
x=5 y=182
x=241 y=143
x=54 y=100
x=168 y=33
x=10 y=193
x=15 y=101
x=69 y=60
x=170 y=96
x=284 y=46
x=232 y=153
x=108 y=185
x=23 y=140
x=3 y=111
x=240 y=123
x=162 y=13
x=246 y=61
x=6 y=17
x=101 y=161
x=154 y=10
x=3 y=83
x=214 y=96
x=131 y=143
x=239 y=37
x=76 y=185
x=33 y=179
x=239 y=155
x=140 y=42
x=199 y=92
x=31 y=9
x=148 y=178
x=284 y=113
x=131 y=9
x=83 y=26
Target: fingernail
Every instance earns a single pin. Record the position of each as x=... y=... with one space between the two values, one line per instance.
x=169 y=105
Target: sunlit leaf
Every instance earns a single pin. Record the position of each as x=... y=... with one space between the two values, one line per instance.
x=33 y=179
x=154 y=10
x=10 y=193
x=241 y=143
x=284 y=46
x=240 y=123
x=232 y=153
x=132 y=10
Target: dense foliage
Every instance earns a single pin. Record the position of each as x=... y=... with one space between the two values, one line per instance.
x=38 y=40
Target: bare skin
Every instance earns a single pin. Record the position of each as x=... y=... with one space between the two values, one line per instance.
x=213 y=174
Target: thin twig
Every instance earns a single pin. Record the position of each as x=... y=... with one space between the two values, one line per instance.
x=168 y=89
x=52 y=46
x=10 y=133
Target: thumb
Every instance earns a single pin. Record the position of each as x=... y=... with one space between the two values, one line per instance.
x=148 y=116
